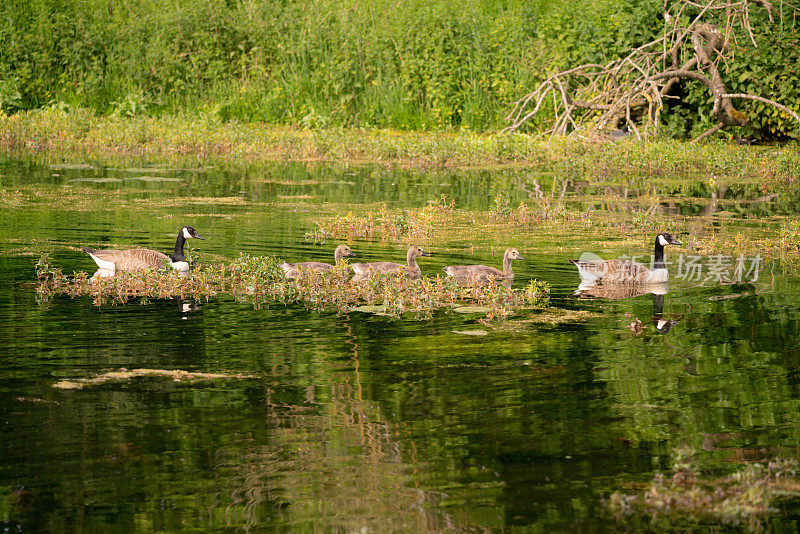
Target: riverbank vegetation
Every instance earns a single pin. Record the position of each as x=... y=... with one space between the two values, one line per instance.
x=81 y=135
x=423 y=66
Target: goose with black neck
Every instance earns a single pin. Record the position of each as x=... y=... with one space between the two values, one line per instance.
x=622 y=271
x=134 y=259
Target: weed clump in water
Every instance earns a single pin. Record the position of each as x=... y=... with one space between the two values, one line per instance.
x=745 y=497
x=261 y=281
x=417 y=224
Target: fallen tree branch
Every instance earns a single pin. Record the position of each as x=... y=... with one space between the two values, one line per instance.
x=631 y=90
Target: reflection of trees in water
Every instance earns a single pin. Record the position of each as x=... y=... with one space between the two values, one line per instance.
x=332 y=462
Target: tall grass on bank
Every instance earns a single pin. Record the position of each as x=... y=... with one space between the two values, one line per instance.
x=413 y=65
x=410 y=65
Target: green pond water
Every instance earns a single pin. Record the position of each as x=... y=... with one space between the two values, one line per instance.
x=359 y=422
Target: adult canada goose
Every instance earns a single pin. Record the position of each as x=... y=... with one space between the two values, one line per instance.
x=388 y=268
x=134 y=259
x=619 y=271
x=293 y=270
x=482 y=274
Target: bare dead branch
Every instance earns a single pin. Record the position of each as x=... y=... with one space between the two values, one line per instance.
x=708 y=132
x=631 y=90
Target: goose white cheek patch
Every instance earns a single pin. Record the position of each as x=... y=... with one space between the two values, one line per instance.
x=661 y=239
x=186 y=234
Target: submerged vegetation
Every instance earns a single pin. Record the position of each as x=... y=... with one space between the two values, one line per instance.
x=260 y=281
x=747 y=496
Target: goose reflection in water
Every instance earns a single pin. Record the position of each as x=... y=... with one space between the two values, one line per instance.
x=108 y=273
x=663 y=324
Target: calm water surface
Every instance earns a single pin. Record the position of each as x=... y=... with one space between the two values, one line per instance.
x=345 y=422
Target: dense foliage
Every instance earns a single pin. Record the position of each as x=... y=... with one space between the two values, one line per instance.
x=408 y=65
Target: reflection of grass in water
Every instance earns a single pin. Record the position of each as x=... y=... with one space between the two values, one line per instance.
x=607 y=223
x=745 y=497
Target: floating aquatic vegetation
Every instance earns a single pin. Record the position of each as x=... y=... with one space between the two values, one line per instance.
x=745 y=497
x=125 y=374
x=260 y=281
x=418 y=224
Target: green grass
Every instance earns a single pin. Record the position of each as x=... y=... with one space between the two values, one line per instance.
x=182 y=139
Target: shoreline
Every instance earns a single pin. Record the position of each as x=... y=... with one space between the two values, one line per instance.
x=175 y=139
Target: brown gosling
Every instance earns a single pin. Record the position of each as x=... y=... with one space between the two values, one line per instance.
x=293 y=270
x=135 y=259
x=619 y=271
x=387 y=268
x=483 y=274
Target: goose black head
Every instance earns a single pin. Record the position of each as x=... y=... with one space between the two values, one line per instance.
x=665 y=239
x=190 y=233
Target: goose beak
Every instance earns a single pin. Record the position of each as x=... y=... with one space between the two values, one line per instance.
x=197 y=236
x=520 y=257
x=674 y=241
x=425 y=253
x=351 y=254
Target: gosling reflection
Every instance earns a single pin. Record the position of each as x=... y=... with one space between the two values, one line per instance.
x=662 y=323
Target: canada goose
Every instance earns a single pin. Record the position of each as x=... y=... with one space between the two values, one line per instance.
x=482 y=274
x=134 y=259
x=618 y=271
x=411 y=271
x=293 y=270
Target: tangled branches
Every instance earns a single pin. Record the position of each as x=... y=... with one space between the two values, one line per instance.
x=630 y=92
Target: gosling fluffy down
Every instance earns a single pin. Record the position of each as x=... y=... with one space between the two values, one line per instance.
x=387 y=268
x=293 y=270
x=483 y=274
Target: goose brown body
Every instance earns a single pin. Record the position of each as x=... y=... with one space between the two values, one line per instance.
x=136 y=259
x=622 y=271
x=387 y=268
x=483 y=274
x=293 y=270
x=132 y=259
